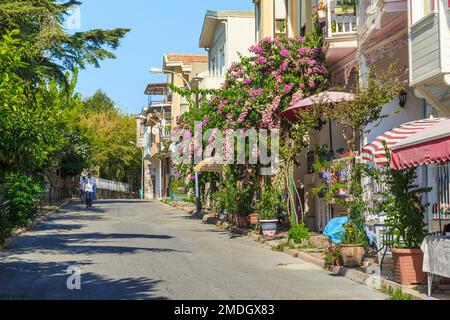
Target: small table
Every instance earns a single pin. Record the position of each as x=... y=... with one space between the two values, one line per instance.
x=436 y=259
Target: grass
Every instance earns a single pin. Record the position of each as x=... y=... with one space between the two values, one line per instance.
x=282 y=246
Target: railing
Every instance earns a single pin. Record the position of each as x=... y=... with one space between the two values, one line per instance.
x=441 y=208
x=341 y=18
x=113 y=185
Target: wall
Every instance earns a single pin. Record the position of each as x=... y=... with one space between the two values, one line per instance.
x=240 y=38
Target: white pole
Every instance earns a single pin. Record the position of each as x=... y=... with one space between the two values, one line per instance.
x=160 y=179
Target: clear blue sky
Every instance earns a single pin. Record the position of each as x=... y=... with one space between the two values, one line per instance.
x=156 y=27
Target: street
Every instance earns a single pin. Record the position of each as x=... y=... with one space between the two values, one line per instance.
x=147 y=250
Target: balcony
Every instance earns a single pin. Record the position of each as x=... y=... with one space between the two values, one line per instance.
x=378 y=19
x=429 y=37
x=212 y=82
x=340 y=31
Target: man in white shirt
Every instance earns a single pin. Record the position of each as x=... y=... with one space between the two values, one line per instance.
x=89 y=188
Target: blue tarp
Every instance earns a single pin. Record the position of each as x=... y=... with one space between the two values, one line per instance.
x=335 y=229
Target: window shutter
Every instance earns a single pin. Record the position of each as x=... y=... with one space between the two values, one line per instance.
x=280 y=9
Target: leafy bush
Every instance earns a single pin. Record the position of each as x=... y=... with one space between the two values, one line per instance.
x=270 y=203
x=177 y=186
x=24 y=195
x=398 y=294
x=299 y=233
x=404 y=207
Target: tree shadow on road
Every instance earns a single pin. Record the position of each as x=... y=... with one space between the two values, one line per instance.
x=30 y=280
x=83 y=243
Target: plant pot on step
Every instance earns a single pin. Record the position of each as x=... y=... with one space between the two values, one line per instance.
x=269 y=227
x=352 y=255
x=254 y=219
x=242 y=222
x=408 y=264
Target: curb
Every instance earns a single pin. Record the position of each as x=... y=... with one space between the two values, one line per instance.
x=38 y=220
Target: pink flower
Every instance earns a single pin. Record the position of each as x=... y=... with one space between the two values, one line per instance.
x=312 y=85
x=247 y=80
x=284 y=52
x=187 y=134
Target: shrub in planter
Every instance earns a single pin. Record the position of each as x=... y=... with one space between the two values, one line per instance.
x=405 y=221
x=268 y=206
x=353 y=241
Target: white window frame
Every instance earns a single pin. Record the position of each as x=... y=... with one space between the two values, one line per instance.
x=418 y=13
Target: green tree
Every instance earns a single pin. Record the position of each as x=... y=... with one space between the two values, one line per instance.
x=109 y=132
x=52 y=49
x=99 y=102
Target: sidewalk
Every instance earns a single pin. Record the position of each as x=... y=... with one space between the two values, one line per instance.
x=368 y=275
x=43 y=213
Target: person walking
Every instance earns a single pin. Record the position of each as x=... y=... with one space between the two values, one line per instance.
x=82 y=189
x=90 y=187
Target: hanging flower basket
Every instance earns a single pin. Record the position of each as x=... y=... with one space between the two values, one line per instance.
x=321 y=15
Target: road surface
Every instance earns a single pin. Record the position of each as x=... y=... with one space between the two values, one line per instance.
x=147 y=250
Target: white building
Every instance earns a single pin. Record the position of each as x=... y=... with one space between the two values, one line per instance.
x=225 y=35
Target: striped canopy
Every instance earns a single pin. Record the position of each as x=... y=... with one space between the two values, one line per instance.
x=375 y=153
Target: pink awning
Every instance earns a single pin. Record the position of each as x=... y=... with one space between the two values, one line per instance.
x=425 y=147
x=375 y=153
x=291 y=113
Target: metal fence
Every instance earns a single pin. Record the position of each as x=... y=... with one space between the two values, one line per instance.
x=113 y=185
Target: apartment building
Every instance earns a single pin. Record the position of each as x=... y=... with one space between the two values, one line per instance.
x=224 y=35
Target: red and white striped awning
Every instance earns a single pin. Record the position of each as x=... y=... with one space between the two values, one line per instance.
x=375 y=153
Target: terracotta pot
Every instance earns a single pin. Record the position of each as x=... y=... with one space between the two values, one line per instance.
x=408 y=264
x=269 y=227
x=242 y=222
x=352 y=255
x=254 y=219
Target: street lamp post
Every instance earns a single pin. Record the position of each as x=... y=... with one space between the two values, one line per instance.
x=198 y=203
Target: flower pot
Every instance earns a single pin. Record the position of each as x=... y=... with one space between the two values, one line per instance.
x=269 y=227
x=408 y=264
x=254 y=219
x=230 y=217
x=341 y=193
x=352 y=255
x=242 y=222
x=322 y=16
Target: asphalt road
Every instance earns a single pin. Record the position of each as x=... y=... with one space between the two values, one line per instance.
x=148 y=250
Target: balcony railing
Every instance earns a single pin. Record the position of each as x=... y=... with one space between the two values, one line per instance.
x=341 y=18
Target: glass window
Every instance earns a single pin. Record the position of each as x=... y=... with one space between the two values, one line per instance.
x=420 y=9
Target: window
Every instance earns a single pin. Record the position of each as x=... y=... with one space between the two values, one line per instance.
x=212 y=65
x=420 y=9
x=258 y=21
x=222 y=61
x=281 y=14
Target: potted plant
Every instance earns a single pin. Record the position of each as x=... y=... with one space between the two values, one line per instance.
x=254 y=219
x=405 y=222
x=321 y=11
x=352 y=247
x=268 y=206
x=345 y=7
